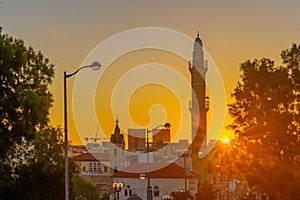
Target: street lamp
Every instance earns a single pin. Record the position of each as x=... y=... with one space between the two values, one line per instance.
x=166 y=125
x=94 y=66
x=118 y=187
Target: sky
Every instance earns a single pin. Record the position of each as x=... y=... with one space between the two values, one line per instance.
x=69 y=31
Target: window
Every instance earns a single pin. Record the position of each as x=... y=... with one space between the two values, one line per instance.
x=150 y=192
x=83 y=168
x=115 y=152
x=156 y=191
x=95 y=167
x=105 y=169
x=98 y=167
x=90 y=167
x=130 y=192
x=127 y=191
x=115 y=169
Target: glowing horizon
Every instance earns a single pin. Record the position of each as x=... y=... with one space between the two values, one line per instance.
x=230 y=31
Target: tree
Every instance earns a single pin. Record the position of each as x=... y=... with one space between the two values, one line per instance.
x=39 y=174
x=83 y=190
x=25 y=77
x=266 y=123
x=207 y=192
x=31 y=151
x=182 y=195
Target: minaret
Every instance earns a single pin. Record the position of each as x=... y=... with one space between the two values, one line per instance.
x=198 y=106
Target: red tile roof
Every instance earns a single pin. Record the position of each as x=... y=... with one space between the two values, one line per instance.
x=167 y=170
x=92 y=157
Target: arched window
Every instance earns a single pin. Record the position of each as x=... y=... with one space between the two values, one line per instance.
x=95 y=167
x=151 y=192
x=156 y=191
x=98 y=167
x=90 y=167
x=130 y=192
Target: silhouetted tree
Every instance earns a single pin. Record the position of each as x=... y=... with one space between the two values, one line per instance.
x=206 y=192
x=182 y=195
x=31 y=151
x=25 y=78
x=37 y=168
x=266 y=114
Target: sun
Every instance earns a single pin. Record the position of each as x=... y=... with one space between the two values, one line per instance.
x=225 y=140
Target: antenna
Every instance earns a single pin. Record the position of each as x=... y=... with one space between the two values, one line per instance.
x=97 y=131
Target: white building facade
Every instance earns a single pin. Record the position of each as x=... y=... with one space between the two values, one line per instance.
x=163 y=181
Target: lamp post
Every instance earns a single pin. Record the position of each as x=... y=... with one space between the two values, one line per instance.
x=94 y=66
x=166 y=125
x=185 y=171
x=118 y=187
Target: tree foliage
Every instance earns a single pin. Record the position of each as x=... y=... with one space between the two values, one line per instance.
x=31 y=151
x=83 y=190
x=207 y=192
x=266 y=113
x=182 y=195
x=40 y=172
x=25 y=77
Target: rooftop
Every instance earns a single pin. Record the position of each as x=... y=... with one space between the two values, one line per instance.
x=157 y=170
x=92 y=157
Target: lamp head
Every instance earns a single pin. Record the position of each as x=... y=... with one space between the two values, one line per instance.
x=95 y=65
x=115 y=185
x=121 y=184
x=167 y=125
x=142 y=176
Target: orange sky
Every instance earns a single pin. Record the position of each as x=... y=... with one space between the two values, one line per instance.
x=67 y=31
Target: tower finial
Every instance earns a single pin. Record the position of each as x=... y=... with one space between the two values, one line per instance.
x=117 y=119
x=198 y=33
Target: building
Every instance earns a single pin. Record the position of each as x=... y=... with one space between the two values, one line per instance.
x=136 y=139
x=93 y=163
x=117 y=149
x=161 y=135
x=117 y=138
x=165 y=178
x=75 y=150
x=94 y=168
x=173 y=150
